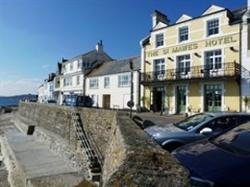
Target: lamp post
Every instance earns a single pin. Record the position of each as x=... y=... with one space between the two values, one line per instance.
x=131 y=102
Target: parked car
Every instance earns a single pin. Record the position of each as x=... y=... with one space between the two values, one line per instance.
x=51 y=101
x=78 y=101
x=219 y=161
x=194 y=128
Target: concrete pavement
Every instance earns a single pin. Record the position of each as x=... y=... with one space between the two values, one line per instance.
x=30 y=162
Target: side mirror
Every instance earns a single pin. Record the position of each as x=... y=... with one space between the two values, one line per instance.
x=206 y=131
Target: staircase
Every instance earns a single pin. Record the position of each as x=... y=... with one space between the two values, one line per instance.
x=87 y=147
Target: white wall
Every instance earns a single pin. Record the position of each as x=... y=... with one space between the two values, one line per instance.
x=245 y=60
x=119 y=96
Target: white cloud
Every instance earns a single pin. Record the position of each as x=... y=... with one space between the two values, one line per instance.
x=21 y=86
x=46 y=66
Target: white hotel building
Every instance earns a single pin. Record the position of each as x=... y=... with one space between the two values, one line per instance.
x=109 y=84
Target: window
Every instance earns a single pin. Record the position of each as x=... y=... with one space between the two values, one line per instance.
x=67 y=81
x=183 y=34
x=212 y=27
x=213 y=60
x=71 y=66
x=51 y=88
x=79 y=64
x=124 y=80
x=183 y=64
x=78 y=80
x=87 y=64
x=93 y=83
x=159 y=66
x=192 y=121
x=159 y=40
x=106 y=82
x=63 y=68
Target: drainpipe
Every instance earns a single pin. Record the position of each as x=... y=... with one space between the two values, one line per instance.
x=240 y=90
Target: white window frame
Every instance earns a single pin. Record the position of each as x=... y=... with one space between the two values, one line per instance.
x=67 y=81
x=207 y=26
x=105 y=82
x=122 y=82
x=79 y=64
x=159 y=43
x=214 y=57
x=71 y=66
x=180 y=28
x=93 y=83
x=78 y=80
x=184 y=61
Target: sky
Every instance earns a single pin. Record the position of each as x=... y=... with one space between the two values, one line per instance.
x=36 y=34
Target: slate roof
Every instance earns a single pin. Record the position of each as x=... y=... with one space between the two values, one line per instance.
x=116 y=66
x=92 y=57
x=237 y=15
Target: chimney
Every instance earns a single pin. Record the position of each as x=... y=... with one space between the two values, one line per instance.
x=159 y=17
x=246 y=16
x=99 y=47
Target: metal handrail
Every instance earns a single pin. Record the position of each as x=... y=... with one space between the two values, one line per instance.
x=231 y=69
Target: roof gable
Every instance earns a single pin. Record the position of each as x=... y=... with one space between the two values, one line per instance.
x=212 y=9
x=160 y=25
x=184 y=17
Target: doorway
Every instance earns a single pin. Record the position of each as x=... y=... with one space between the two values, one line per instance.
x=106 y=101
x=212 y=97
x=181 y=99
x=157 y=99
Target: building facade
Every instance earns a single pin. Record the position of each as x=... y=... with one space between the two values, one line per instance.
x=46 y=90
x=109 y=85
x=245 y=55
x=70 y=79
x=193 y=65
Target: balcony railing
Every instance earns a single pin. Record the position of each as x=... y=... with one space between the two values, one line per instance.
x=225 y=70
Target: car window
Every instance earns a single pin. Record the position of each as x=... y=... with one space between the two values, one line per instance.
x=236 y=140
x=192 y=121
x=221 y=124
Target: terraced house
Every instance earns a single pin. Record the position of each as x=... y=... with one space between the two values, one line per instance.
x=70 y=78
x=193 y=65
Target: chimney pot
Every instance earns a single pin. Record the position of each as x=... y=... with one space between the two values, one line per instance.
x=99 y=46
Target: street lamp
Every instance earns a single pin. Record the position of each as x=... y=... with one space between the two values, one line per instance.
x=131 y=102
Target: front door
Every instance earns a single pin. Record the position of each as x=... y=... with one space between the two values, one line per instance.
x=181 y=98
x=212 y=97
x=157 y=99
x=106 y=101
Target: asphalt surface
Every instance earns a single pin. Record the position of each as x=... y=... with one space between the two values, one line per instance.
x=148 y=119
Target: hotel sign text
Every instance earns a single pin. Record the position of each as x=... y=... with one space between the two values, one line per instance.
x=192 y=46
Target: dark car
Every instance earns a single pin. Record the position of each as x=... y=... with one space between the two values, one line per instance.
x=77 y=101
x=51 y=101
x=194 y=128
x=219 y=161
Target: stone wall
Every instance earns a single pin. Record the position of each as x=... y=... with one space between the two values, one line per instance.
x=130 y=157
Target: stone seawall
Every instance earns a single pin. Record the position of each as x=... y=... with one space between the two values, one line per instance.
x=130 y=158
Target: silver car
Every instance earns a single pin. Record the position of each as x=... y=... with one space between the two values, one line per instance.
x=196 y=127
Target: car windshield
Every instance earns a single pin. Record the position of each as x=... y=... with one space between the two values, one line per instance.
x=237 y=140
x=192 y=121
